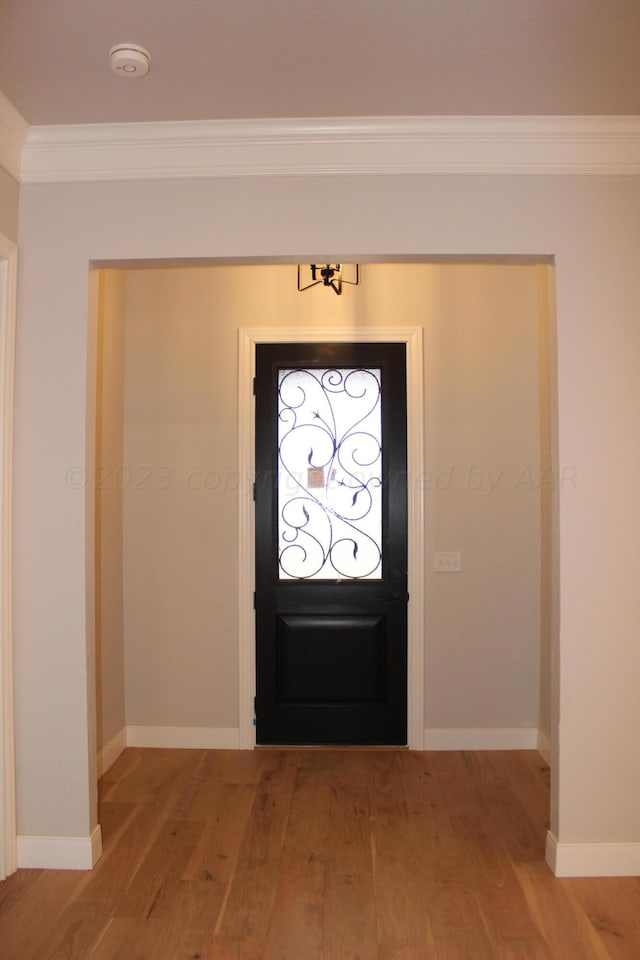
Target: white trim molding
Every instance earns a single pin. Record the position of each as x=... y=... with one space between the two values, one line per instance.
x=111 y=751
x=248 y=338
x=544 y=747
x=326 y=146
x=592 y=859
x=60 y=853
x=167 y=738
x=481 y=738
x=13 y=134
x=195 y=738
x=8 y=286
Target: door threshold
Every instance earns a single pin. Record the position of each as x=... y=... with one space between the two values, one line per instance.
x=328 y=746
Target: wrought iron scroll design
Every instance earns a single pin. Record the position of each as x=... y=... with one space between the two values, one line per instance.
x=329 y=474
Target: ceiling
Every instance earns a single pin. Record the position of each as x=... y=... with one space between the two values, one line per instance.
x=223 y=59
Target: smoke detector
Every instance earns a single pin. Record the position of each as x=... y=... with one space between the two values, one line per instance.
x=129 y=60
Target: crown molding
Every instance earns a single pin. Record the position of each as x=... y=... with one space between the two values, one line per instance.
x=13 y=134
x=375 y=145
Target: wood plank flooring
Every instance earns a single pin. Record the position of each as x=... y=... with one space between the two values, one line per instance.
x=320 y=855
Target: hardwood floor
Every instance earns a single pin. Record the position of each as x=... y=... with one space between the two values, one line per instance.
x=320 y=855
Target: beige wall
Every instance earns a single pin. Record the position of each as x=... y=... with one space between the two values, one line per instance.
x=588 y=223
x=110 y=714
x=9 y=194
x=180 y=540
x=482 y=627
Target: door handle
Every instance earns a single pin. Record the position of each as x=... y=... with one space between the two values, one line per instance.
x=388 y=597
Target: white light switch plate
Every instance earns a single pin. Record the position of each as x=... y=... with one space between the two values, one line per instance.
x=448 y=561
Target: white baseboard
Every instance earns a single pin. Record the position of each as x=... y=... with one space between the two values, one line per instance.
x=60 y=853
x=196 y=738
x=592 y=859
x=199 y=738
x=481 y=738
x=111 y=751
x=228 y=738
x=544 y=747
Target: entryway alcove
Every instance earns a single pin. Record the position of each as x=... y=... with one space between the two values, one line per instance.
x=169 y=489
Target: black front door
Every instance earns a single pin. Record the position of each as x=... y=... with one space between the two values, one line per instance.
x=331 y=543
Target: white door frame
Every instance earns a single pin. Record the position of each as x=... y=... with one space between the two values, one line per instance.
x=247 y=341
x=8 y=278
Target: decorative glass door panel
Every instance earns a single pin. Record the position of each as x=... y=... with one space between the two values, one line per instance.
x=329 y=474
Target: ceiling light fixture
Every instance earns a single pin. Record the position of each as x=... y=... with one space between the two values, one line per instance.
x=129 y=60
x=328 y=274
